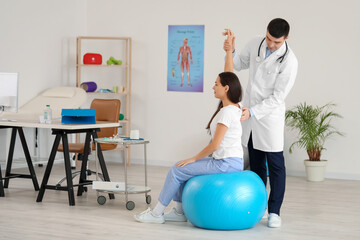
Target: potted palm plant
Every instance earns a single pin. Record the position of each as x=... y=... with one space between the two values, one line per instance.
x=313 y=125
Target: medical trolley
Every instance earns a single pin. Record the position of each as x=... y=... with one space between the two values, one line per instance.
x=121 y=187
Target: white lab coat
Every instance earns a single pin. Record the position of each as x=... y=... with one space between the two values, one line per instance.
x=269 y=83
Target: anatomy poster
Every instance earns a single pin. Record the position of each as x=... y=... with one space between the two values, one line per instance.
x=185 y=71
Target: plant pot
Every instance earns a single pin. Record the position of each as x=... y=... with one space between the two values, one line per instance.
x=315 y=170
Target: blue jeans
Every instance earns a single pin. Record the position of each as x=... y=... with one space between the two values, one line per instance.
x=177 y=176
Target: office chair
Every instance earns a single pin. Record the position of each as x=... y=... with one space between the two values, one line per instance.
x=106 y=110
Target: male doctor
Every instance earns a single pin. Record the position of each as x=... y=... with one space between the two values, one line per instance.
x=272 y=67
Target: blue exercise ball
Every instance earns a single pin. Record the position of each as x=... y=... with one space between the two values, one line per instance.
x=227 y=201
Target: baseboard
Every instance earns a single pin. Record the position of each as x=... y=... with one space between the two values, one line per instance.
x=345 y=176
x=330 y=175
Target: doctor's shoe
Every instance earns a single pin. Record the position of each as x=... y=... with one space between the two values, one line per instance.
x=274 y=220
x=148 y=217
x=174 y=216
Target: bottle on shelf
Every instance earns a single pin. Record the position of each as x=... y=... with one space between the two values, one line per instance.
x=47 y=114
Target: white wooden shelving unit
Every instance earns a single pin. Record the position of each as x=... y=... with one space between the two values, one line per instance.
x=124 y=80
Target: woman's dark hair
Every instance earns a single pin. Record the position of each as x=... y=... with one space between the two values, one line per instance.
x=234 y=93
x=278 y=28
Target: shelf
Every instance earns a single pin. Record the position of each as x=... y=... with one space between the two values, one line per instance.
x=121 y=72
x=107 y=93
x=102 y=65
x=123 y=121
x=106 y=38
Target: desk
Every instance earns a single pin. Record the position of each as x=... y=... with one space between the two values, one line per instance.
x=60 y=131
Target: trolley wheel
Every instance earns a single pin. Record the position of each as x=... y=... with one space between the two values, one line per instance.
x=130 y=205
x=101 y=200
x=148 y=199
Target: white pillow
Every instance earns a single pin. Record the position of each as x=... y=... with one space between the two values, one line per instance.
x=60 y=92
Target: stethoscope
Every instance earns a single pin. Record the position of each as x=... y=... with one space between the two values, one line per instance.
x=281 y=58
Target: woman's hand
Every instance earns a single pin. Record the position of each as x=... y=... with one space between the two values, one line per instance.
x=185 y=162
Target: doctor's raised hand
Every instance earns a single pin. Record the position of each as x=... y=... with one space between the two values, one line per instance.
x=245 y=114
x=229 y=43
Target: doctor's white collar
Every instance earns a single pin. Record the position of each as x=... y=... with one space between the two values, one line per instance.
x=277 y=52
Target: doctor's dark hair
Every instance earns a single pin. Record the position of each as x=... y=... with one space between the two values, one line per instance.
x=234 y=93
x=278 y=28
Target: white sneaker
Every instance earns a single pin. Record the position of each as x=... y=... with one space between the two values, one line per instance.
x=265 y=215
x=148 y=217
x=174 y=216
x=274 y=220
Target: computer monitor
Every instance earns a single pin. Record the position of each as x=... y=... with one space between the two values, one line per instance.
x=9 y=92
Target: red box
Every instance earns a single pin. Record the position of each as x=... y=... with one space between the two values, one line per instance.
x=92 y=58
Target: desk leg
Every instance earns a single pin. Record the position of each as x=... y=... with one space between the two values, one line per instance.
x=48 y=168
x=102 y=164
x=83 y=173
x=2 y=193
x=69 y=181
x=28 y=159
x=10 y=157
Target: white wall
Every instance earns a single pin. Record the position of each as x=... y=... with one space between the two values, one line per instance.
x=38 y=40
x=324 y=35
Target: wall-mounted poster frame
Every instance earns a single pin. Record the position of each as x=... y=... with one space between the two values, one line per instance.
x=185 y=71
